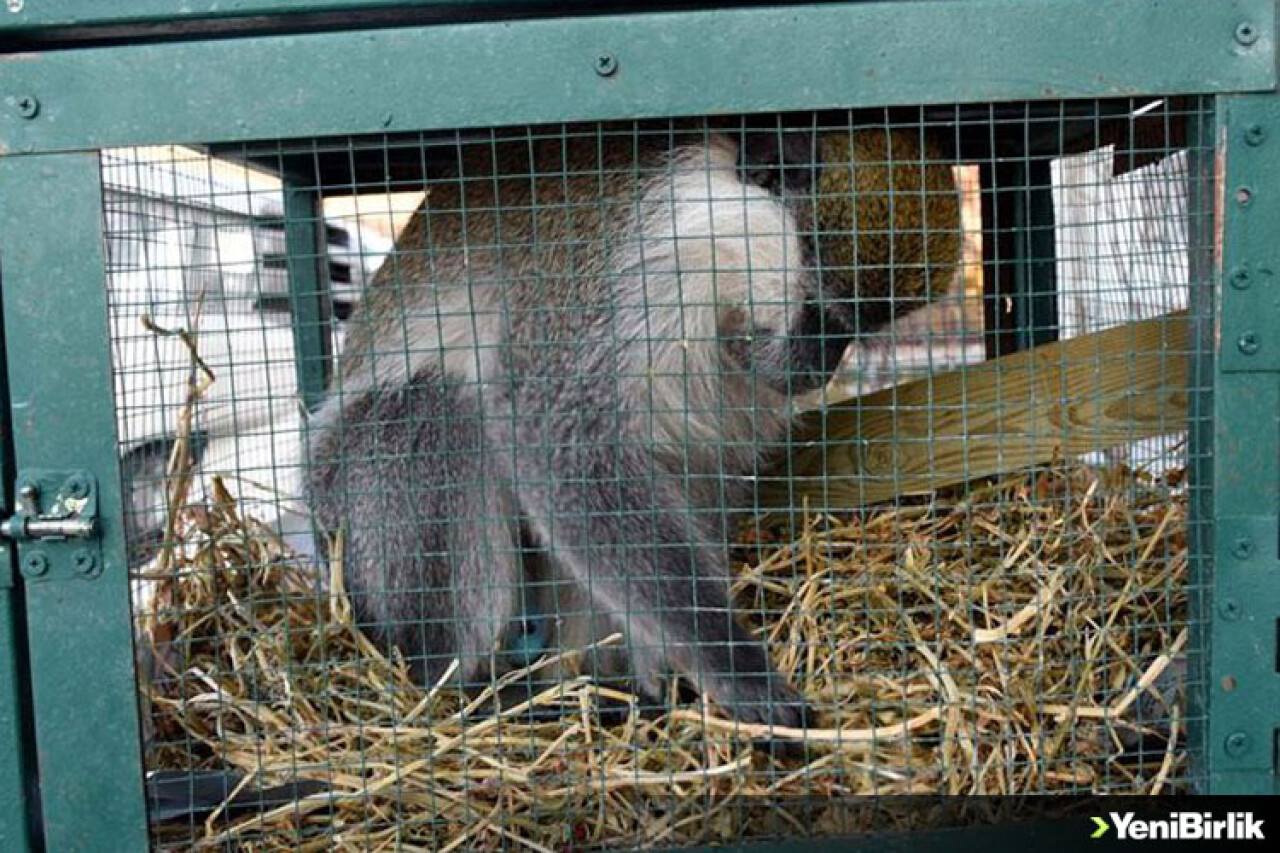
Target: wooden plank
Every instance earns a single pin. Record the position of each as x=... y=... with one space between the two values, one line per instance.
x=1084 y=394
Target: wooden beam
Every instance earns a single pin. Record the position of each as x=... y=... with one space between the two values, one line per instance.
x=1072 y=397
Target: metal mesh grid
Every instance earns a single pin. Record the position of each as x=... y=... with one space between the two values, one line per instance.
x=562 y=395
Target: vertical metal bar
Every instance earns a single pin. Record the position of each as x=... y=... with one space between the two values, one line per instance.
x=1037 y=294
x=999 y=241
x=18 y=809
x=1021 y=300
x=1202 y=191
x=310 y=307
x=61 y=394
x=1243 y=689
x=19 y=818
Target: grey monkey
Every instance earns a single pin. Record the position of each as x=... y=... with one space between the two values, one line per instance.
x=557 y=385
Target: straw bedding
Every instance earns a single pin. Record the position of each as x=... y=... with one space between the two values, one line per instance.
x=1022 y=634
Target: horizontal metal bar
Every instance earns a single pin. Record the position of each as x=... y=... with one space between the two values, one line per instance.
x=90 y=20
x=677 y=63
x=83 y=13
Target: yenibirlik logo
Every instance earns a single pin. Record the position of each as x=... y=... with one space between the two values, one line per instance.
x=1182 y=826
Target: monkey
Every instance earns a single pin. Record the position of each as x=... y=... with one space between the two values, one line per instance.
x=558 y=384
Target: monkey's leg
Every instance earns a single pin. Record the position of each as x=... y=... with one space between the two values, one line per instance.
x=631 y=540
x=430 y=547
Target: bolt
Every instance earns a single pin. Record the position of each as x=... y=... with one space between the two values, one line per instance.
x=28 y=106
x=606 y=65
x=1237 y=744
x=1242 y=548
x=1254 y=135
x=1229 y=609
x=76 y=486
x=35 y=564
x=1246 y=33
x=1248 y=343
x=84 y=562
x=1240 y=278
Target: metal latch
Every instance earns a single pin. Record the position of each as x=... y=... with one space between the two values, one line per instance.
x=55 y=524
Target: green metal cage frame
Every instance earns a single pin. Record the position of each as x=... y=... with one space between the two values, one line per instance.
x=76 y=79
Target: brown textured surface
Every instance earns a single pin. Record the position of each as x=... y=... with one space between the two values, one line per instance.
x=900 y=198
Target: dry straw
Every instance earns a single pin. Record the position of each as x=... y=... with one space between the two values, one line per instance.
x=1023 y=634
x=1010 y=638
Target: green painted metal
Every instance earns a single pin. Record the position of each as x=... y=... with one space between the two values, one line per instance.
x=309 y=305
x=16 y=767
x=17 y=764
x=81 y=648
x=677 y=63
x=1038 y=287
x=1244 y=674
x=1202 y=191
x=88 y=13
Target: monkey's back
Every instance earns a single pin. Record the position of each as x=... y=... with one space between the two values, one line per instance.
x=522 y=228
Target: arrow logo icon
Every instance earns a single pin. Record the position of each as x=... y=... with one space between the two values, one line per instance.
x=1102 y=828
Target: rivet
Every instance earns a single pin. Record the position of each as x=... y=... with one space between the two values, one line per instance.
x=84 y=561
x=1229 y=609
x=34 y=565
x=1242 y=548
x=76 y=486
x=1237 y=744
x=1255 y=135
x=1246 y=33
x=1248 y=343
x=606 y=64
x=28 y=106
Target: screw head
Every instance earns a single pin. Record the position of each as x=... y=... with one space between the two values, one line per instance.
x=606 y=64
x=1246 y=33
x=35 y=564
x=1240 y=278
x=1255 y=135
x=1244 y=196
x=1237 y=744
x=28 y=106
x=1242 y=548
x=76 y=486
x=84 y=562
x=1248 y=344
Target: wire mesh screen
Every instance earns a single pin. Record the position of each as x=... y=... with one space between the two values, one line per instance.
x=675 y=482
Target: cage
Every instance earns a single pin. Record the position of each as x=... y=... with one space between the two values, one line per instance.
x=470 y=426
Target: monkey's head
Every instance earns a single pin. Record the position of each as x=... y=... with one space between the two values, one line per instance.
x=885 y=224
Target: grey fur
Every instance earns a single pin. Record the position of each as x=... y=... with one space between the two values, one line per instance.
x=586 y=360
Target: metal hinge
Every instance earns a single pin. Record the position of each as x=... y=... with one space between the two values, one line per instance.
x=55 y=525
